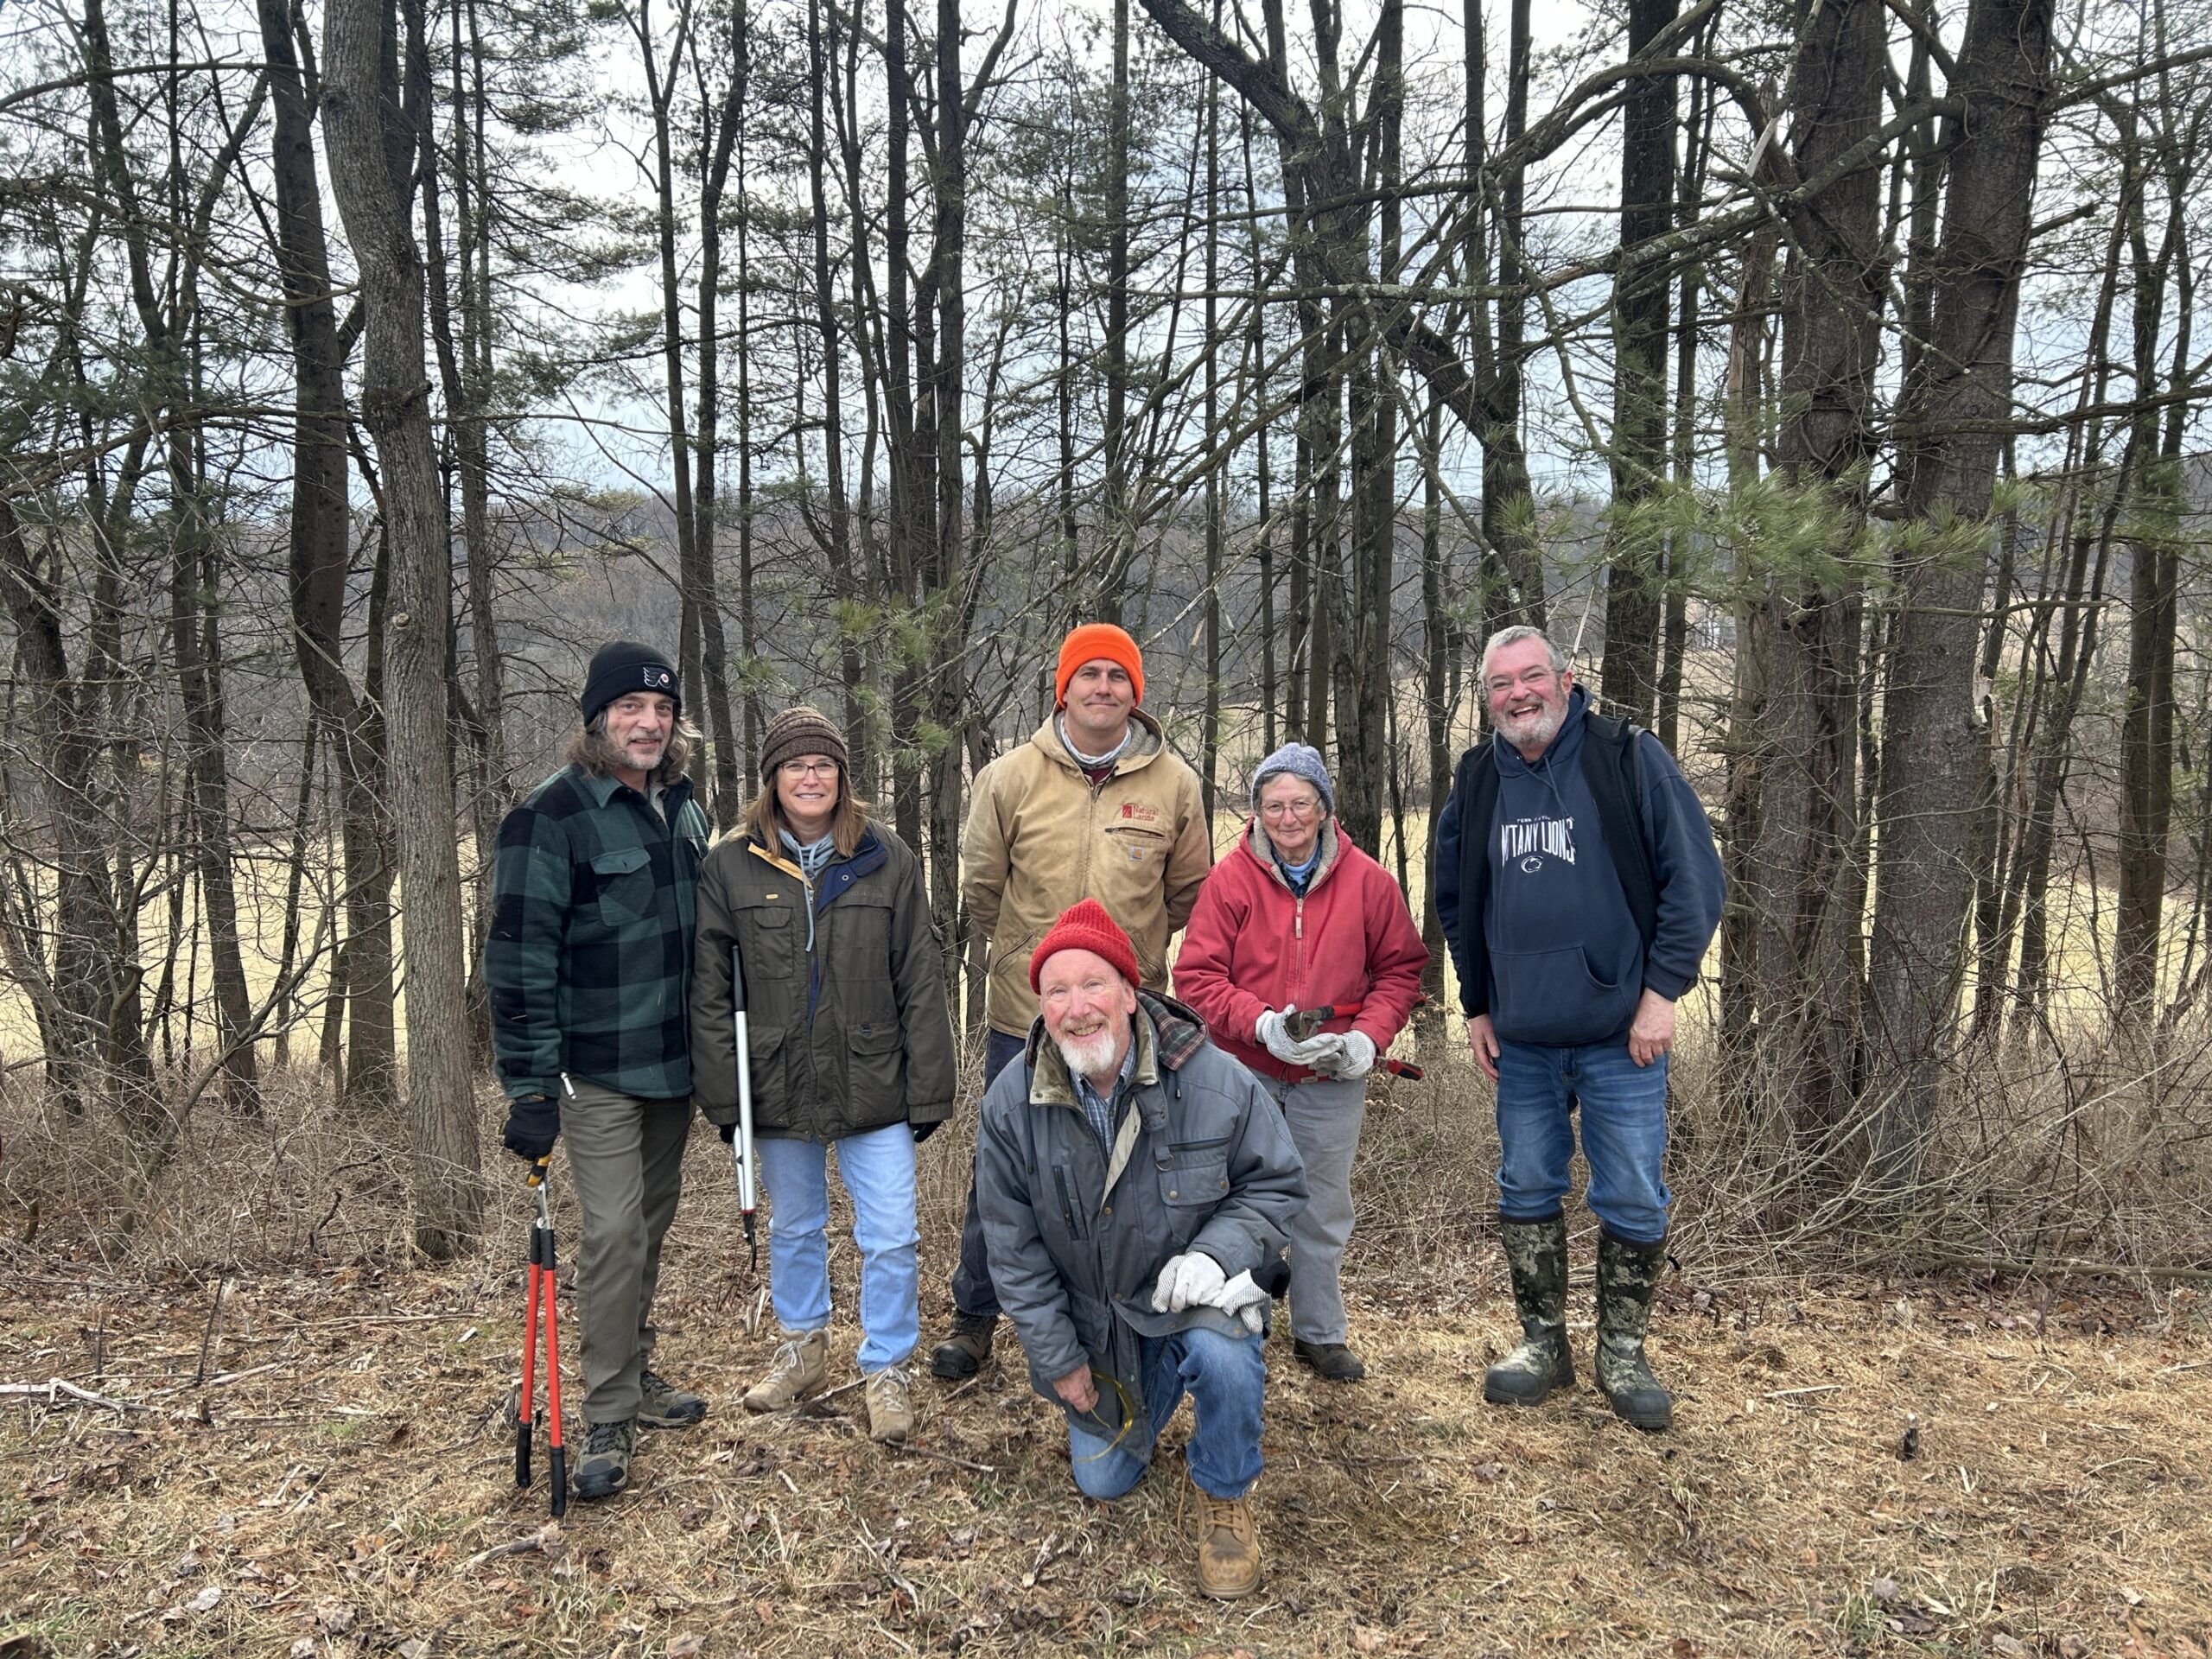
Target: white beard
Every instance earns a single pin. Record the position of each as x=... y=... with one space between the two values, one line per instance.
x=1091 y=1056
x=1532 y=731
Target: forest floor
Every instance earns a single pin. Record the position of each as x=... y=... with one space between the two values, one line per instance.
x=338 y=1479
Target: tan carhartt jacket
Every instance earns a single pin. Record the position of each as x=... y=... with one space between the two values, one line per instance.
x=1039 y=837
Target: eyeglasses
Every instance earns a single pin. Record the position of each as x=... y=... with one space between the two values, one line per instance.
x=809 y=768
x=1305 y=809
x=1534 y=678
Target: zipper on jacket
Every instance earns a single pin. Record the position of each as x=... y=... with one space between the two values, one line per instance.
x=1067 y=1205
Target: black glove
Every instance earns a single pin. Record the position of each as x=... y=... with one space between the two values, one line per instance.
x=1273 y=1277
x=923 y=1131
x=533 y=1124
x=728 y=1133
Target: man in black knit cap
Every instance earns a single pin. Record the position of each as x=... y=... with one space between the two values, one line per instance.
x=589 y=962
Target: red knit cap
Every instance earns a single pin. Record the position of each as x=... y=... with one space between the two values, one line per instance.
x=1086 y=926
x=1088 y=643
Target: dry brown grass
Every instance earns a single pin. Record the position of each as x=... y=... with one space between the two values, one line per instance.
x=340 y=1484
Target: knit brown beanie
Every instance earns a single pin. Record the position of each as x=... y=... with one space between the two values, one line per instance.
x=801 y=731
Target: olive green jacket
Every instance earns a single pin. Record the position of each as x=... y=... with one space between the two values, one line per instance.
x=849 y=1036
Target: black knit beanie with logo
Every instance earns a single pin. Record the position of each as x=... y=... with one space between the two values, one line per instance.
x=622 y=666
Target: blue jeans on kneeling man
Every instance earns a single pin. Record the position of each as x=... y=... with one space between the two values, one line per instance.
x=1226 y=1377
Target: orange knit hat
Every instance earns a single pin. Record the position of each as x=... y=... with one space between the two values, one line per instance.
x=1090 y=643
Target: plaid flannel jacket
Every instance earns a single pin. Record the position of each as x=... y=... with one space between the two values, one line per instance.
x=588 y=961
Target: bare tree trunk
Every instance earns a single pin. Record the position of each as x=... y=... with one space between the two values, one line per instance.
x=1638 y=452
x=837 y=545
x=1801 y=743
x=714 y=644
x=96 y=984
x=370 y=154
x=1928 y=793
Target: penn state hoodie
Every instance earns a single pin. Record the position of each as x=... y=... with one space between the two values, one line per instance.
x=1566 y=963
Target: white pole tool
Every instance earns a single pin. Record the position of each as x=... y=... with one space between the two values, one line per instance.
x=747 y=1174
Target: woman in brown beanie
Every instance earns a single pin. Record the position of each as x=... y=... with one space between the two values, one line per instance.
x=851 y=1045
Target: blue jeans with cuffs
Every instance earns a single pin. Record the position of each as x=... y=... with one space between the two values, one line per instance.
x=878 y=1171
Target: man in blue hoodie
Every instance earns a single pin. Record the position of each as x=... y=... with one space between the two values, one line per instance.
x=1578 y=886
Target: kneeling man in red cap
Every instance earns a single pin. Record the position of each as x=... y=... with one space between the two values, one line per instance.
x=1131 y=1178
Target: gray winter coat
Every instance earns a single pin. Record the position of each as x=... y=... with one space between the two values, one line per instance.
x=1077 y=1240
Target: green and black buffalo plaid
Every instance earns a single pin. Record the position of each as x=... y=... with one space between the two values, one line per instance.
x=589 y=962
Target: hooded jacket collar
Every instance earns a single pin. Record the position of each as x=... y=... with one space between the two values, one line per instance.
x=1563 y=751
x=1330 y=845
x=1146 y=740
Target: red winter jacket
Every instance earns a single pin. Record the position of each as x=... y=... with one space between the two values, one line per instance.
x=1251 y=945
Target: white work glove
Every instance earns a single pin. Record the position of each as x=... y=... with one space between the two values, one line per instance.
x=1241 y=1297
x=1273 y=1033
x=1192 y=1279
x=1354 y=1058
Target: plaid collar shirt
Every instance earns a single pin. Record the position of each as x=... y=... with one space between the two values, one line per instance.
x=589 y=956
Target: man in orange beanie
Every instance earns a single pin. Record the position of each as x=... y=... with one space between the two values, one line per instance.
x=1095 y=805
x=1132 y=1179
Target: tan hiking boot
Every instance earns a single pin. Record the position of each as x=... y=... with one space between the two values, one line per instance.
x=1228 y=1545
x=890 y=1409
x=799 y=1371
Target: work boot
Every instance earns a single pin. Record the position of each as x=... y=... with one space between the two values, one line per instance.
x=1332 y=1359
x=890 y=1411
x=606 y=1468
x=1537 y=1252
x=799 y=1371
x=1228 y=1545
x=1627 y=1275
x=666 y=1406
x=962 y=1353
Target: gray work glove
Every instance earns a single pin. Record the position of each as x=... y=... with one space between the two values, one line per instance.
x=1354 y=1057
x=1190 y=1280
x=1273 y=1034
x=1244 y=1299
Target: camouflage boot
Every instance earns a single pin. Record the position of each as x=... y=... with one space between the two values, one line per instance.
x=1536 y=1251
x=1627 y=1275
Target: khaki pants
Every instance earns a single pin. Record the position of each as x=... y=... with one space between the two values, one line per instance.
x=1324 y=1116
x=626 y=1156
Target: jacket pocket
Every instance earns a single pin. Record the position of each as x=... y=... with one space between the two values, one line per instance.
x=1551 y=997
x=767 y=1065
x=876 y=1071
x=766 y=946
x=624 y=882
x=1193 y=1174
x=1136 y=845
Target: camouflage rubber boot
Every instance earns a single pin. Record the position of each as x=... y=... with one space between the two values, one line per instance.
x=606 y=1468
x=799 y=1371
x=1536 y=1251
x=1627 y=1275
x=666 y=1406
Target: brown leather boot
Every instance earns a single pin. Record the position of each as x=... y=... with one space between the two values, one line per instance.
x=1229 y=1544
x=966 y=1345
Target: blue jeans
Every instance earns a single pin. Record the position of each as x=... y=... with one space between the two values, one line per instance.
x=1624 y=1135
x=1226 y=1377
x=971 y=1280
x=877 y=1170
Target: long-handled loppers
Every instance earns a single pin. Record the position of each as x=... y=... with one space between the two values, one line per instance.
x=542 y=1294
x=1305 y=1024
